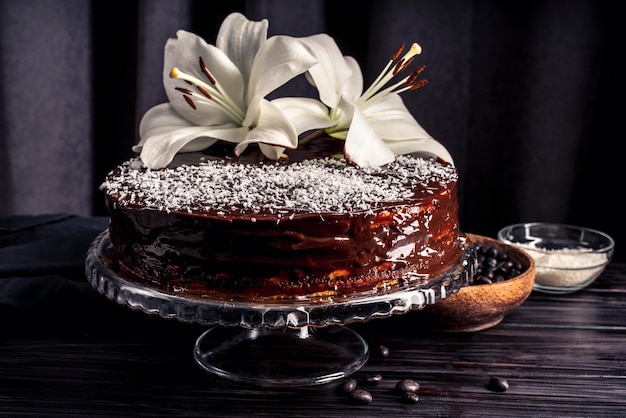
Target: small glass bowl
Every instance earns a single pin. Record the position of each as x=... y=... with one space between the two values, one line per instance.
x=567 y=257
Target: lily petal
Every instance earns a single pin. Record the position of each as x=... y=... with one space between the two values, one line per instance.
x=161 y=118
x=392 y=120
x=163 y=147
x=164 y=133
x=353 y=87
x=271 y=151
x=241 y=39
x=279 y=59
x=272 y=129
x=363 y=145
x=304 y=113
x=427 y=146
x=159 y=150
x=332 y=75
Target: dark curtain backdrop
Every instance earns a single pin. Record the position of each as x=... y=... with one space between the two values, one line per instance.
x=525 y=94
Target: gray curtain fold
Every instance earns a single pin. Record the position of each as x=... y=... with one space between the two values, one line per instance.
x=45 y=102
x=532 y=97
x=523 y=94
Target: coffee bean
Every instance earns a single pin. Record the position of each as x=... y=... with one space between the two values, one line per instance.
x=349 y=385
x=407 y=385
x=361 y=396
x=491 y=262
x=494 y=266
x=482 y=280
x=373 y=380
x=410 y=397
x=498 y=384
x=383 y=351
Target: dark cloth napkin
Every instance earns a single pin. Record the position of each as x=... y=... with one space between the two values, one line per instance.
x=42 y=263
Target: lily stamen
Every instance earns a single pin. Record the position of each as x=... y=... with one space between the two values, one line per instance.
x=190 y=102
x=211 y=94
x=205 y=70
x=204 y=92
x=402 y=65
x=186 y=93
x=398 y=67
x=414 y=74
x=395 y=66
x=418 y=84
x=397 y=53
x=183 y=90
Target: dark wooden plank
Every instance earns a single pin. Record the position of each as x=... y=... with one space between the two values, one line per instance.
x=563 y=355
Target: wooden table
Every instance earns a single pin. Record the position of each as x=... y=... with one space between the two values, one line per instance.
x=562 y=355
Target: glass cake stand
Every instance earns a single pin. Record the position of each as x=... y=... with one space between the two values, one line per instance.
x=268 y=342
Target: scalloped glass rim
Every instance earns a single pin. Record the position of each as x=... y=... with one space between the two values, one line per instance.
x=213 y=310
x=541 y=237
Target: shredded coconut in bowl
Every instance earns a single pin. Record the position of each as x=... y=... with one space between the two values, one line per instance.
x=566 y=267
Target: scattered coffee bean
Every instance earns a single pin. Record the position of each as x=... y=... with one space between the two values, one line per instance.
x=361 y=396
x=411 y=397
x=349 y=385
x=383 y=351
x=498 y=384
x=407 y=385
x=372 y=380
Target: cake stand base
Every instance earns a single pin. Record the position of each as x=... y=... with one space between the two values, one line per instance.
x=286 y=357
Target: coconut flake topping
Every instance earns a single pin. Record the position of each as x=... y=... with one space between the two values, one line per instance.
x=315 y=186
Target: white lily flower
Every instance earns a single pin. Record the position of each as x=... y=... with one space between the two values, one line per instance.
x=375 y=123
x=218 y=92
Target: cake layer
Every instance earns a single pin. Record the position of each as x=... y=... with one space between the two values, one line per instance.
x=306 y=227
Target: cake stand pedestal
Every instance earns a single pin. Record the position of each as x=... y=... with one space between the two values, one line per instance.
x=268 y=342
x=289 y=357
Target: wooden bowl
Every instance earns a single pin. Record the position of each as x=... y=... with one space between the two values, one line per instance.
x=481 y=306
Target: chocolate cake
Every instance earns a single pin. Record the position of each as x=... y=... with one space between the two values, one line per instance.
x=237 y=194
x=298 y=227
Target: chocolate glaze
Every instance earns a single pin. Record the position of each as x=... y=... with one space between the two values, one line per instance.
x=287 y=255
